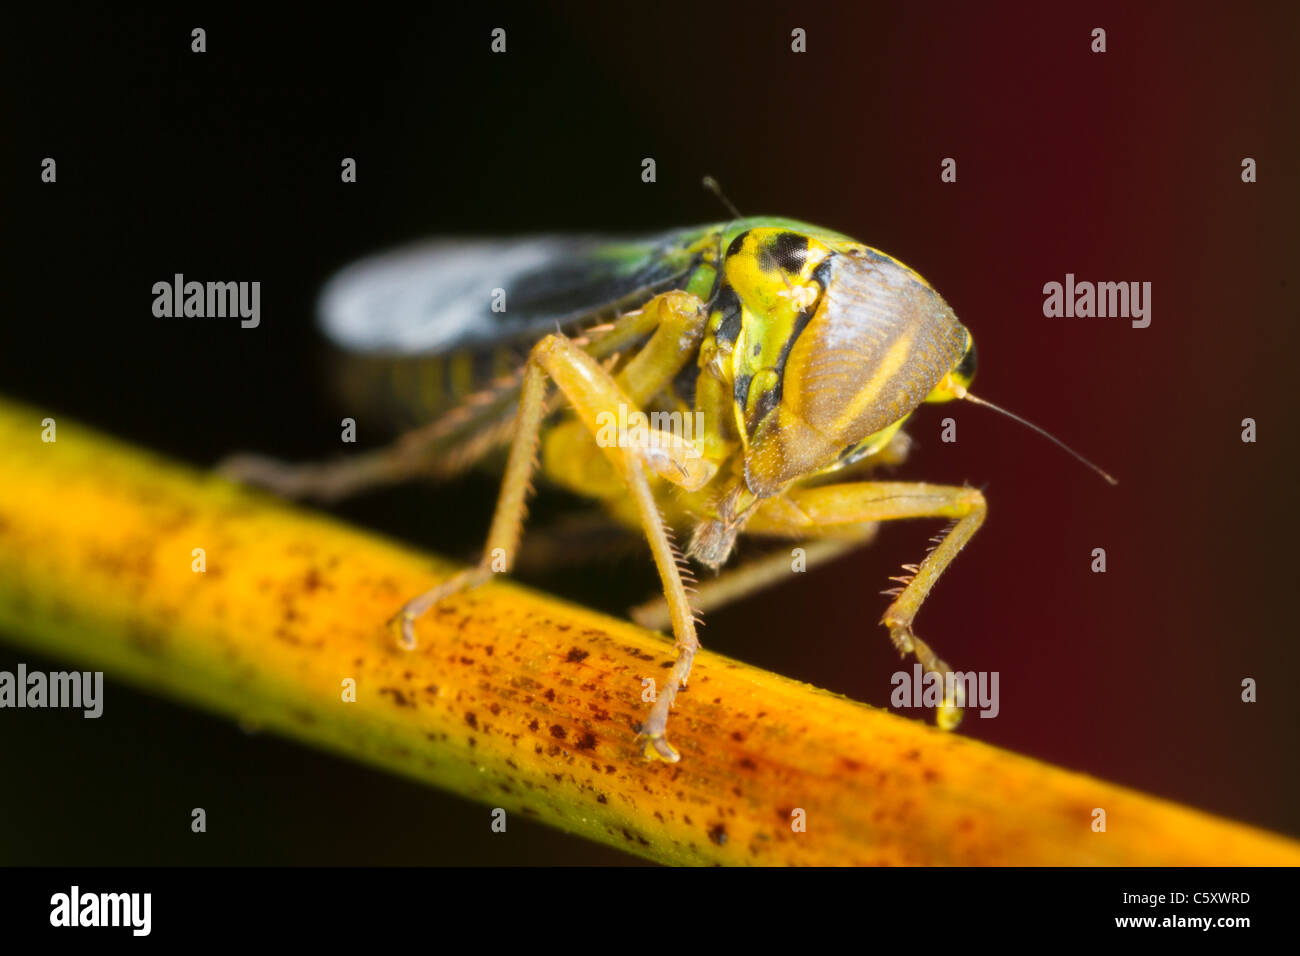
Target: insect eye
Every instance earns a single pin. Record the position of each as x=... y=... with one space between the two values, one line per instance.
x=955 y=383
x=965 y=370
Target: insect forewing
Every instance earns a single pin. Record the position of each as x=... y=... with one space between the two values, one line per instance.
x=446 y=294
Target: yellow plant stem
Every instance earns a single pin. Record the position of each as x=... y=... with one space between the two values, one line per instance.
x=513 y=698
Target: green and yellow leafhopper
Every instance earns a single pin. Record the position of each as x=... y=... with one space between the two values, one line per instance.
x=741 y=377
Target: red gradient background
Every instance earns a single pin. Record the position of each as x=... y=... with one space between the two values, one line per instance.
x=1122 y=166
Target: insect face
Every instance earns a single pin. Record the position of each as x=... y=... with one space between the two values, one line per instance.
x=875 y=343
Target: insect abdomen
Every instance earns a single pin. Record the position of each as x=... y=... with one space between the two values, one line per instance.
x=404 y=392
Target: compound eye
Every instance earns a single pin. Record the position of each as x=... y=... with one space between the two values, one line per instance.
x=955 y=383
x=965 y=370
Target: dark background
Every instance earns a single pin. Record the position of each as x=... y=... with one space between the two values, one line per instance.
x=1123 y=167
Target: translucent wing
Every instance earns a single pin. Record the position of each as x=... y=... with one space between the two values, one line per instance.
x=440 y=295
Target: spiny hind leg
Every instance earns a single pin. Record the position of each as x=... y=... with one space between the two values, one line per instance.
x=831 y=507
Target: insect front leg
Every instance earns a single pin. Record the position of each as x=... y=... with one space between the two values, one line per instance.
x=735 y=584
x=594 y=394
x=831 y=507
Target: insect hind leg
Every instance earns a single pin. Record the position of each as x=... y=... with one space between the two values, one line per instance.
x=828 y=508
x=322 y=481
x=440 y=449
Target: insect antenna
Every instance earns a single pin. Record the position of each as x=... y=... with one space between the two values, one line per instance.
x=1046 y=434
x=713 y=186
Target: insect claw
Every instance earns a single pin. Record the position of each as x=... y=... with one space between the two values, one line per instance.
x=403 y=628
x=948 y=715
x=655 y=747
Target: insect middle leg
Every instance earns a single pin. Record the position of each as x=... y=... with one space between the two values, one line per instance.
x=830 y=507
x=590 y=389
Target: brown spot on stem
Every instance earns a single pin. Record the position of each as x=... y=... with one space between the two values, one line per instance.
x=399 y=698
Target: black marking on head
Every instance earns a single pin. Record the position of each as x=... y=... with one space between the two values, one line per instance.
x=965 y=369
x=717 y=285
x=772 y=398
x=740 y=391
x=800 y=323
x=737 y=243
x=822 y=274
x=788 y=250
x=728 y=303
x=714 y=261
x=763 y=405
